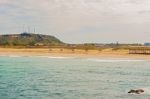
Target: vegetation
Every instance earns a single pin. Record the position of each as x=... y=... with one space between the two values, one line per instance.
x=28 y=39
x=38 y=40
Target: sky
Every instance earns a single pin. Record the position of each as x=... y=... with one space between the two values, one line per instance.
x=79 y=21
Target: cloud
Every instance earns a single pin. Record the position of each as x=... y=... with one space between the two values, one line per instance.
x=80 y=18
x=3 y=2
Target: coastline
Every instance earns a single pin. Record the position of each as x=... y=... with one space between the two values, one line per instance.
x=107 y=53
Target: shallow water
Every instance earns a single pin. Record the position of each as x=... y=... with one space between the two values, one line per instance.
x=72 y=78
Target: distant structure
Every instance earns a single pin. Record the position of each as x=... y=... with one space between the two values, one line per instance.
x=146 y=44
x=34 y=30
x=27 y=29
x=139 y=50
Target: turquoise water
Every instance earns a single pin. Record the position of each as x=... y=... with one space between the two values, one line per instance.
x=72 y=78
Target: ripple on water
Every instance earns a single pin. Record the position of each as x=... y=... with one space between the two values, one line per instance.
x=71 y=78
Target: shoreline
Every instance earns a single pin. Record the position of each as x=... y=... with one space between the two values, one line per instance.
x=107 y=53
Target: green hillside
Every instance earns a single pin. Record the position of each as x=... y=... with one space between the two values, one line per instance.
x=28 y=39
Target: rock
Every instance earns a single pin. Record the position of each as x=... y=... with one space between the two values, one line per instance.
x=136 y=91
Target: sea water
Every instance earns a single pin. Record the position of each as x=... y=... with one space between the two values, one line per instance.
x=72 y=78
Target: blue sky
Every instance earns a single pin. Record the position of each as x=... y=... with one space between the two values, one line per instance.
x=79 y=21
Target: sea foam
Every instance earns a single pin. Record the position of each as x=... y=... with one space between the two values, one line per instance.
x=60 y=57
x=146 y=90
x=113 y=60
x=55 y=57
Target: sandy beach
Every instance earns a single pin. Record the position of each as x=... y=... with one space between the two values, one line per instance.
x=107 y=53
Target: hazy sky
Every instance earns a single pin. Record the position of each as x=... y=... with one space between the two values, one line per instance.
x=79 y=21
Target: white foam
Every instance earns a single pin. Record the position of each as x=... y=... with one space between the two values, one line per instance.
x=52 y=57
x=14 y=56
x=146 y=90
x=113 y=60
x=60 y=57
x=55 y=57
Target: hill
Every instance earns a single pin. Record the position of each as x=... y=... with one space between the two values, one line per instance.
x=28 y=39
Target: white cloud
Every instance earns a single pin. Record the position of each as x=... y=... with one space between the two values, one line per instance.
x=3 y=2
x=71 y=17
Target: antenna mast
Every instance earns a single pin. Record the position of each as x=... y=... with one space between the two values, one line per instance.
x=34 y=30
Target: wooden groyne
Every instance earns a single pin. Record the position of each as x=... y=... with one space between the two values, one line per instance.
x=139 y=50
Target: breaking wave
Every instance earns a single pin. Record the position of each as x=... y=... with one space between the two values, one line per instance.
x=113 y=60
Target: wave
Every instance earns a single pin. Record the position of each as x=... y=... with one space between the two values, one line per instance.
x=53 y=57
x=11 y=56
x=60 y=57
x=83 y=58
x=113 y=60
x=17 y=56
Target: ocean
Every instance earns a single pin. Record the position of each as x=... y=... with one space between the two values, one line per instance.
x=47 y=77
